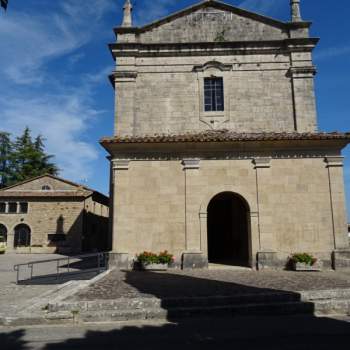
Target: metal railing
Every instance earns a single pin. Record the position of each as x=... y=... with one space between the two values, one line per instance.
x=63 y=266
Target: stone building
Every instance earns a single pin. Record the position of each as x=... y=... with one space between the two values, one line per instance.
x=216 y=155
x=52 y=215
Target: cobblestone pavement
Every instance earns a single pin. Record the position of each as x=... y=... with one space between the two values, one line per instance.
x=208 y=283
x=12 y=296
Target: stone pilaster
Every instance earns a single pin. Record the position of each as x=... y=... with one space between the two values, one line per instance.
x=337 y=201
x=120 y=168
x=194 y=236
x=263 y=182
x=10 y=245
x=125 y=85
x=304 y=105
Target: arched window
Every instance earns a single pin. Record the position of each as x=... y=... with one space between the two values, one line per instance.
x=3 y=233
x=22 y=236
x=46 y=188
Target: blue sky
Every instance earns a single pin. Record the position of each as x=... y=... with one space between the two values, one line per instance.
x=54 y=63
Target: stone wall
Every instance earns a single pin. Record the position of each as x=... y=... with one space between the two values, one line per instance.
x=74 y=218
x=262 y=92
x=149 y=208
x=163 y=205
x=48 y=216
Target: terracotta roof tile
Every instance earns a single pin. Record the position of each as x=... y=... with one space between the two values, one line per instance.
x=224 y=136
x=45 y=194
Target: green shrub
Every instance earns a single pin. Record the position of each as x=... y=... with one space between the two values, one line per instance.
x=304 y=258
x=147 y=258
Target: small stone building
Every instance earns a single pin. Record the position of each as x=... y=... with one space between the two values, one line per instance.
x=48 y=214
x=216 y=154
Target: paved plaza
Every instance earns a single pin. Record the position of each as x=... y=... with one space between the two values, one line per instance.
x=203 y=283
x=13 y=297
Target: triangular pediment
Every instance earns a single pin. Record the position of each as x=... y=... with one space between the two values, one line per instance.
x=44 y=183
x=213 y=21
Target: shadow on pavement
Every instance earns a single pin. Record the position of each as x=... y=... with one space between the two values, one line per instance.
x=259 y=332
x=226 y=333
x=53 y=279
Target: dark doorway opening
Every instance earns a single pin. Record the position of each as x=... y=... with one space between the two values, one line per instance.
x=22 y=236
x=228 y=230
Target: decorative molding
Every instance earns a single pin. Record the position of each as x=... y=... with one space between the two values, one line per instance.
x=337 y=161
x=302 y=72
x=212 y=64
x=191 y=163
x=121 y=164
x=219 y=155
x=212 y=48
x=122 y=76
x=261 y=163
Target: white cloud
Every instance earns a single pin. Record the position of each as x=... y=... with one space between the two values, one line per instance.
x=52 y=104
x=29 y=41
x=62 y=120
x=332 y=52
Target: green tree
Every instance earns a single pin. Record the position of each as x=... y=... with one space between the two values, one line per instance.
x=29 y=159
x=4 y=3
x=6 y=149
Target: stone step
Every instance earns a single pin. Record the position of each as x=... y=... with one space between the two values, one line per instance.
x=271 y=309
x=333 y=294
x=323 y=307
x=332 y=307
x=142 y=303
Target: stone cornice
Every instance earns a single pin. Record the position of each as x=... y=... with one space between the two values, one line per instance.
x=335 y=161
x=212 y=48
x=191 y=163
x=120 y=164
x=122 y=76
x=301 y=72
x=261 y=163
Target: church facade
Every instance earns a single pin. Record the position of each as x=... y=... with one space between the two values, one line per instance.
x=216 y=155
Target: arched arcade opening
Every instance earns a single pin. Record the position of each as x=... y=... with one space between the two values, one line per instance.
x=22 y=236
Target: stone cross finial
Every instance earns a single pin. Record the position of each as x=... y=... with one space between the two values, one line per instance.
x=295 y=6
x=127 y=19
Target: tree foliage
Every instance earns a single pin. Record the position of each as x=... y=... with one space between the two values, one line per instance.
x=23 y=158
x=4 y=3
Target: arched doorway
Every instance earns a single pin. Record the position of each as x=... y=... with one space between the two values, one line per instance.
x=3 y=233
x=228 y=230
x=22 y=236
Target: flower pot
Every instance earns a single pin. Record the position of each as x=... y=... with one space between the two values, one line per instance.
x=317 y=266
x=154 y=267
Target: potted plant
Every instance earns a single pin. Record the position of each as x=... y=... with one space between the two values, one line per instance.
x=305 y=262
x=150 y=261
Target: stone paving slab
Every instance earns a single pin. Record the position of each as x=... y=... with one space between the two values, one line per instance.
x=14 y=299
x=13 y=296
x=202 y=283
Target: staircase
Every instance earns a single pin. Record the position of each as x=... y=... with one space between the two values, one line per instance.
x=320 y=303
